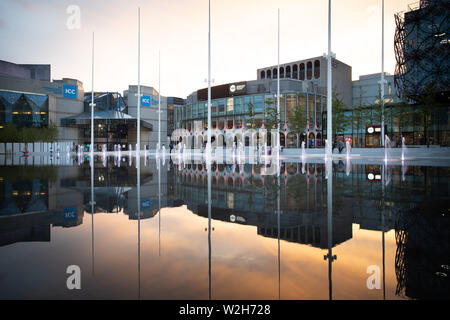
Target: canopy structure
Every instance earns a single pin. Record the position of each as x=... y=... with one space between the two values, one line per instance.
x=111 y=116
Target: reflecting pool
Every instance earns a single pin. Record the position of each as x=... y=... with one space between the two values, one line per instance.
x=190 y=230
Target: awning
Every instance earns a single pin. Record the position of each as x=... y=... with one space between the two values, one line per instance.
x=85 y=118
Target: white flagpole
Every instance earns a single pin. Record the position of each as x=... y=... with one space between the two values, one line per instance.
x=92 y=154
x=382 y=82
x=159 y=101
x=208 y=144
x=329 y=84
x=138 y=144
x=278 y=87
x=92 y=100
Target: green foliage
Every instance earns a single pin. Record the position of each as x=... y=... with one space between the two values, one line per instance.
x=297 y=121
x=339 y=120
x=428 y=105
x=250 y=116
x=358 y=115
x=272 y=117
x=404 y=115
x=11 y=133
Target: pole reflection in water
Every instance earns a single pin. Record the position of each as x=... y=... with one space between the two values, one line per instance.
x=138 y=186
x=384 y=182
x=159 y=205
x=208 y=170
x=329 y=256
x=278 y=218
x=92 y=203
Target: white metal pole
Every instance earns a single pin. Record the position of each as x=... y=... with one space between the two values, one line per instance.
x=92 y=154
x=138 y=144
x=278 y=87
x=329 y=83
x=209 y=79
x=159 y=101
x=382 y=82
x=92 y=100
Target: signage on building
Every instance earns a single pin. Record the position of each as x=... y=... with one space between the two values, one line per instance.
x=145 y=204
x=70 y=91
x=146 y=101
x=70 y=214
x=373 y=129
x=238 y=88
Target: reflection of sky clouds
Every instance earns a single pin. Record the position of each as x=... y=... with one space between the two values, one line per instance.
x=244 y=264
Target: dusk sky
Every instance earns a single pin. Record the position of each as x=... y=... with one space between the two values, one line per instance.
x=244 y=38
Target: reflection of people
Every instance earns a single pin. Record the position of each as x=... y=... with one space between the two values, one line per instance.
x=341 y=146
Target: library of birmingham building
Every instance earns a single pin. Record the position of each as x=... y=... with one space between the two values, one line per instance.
x=29 y=98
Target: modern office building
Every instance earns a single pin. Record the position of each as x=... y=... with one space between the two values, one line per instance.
x=367 y=93
x=149 y=114
x=28 y=98
x=112 y=124
x=300 y=84
x=422 y=49
x=422 y=53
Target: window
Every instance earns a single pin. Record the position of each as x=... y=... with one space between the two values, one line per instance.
x=201 y=109
x=281 y=72
x=291 y=101
x=230 y=105
x=214 y=107
x=263 y=74
x=317 y=69
x=269 y=74
x=288 y=71
x=258 y=103
x=302 y=71
x=309 y=70
x=275 y=73
x=247 y=100
x=22 y=113
x=295 y=71
x=221 y=105
x=238 y=104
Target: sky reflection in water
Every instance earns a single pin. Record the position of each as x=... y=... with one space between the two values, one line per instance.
x=38 y=245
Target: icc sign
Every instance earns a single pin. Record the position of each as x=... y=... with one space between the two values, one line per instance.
x=146 y=101
x=70 y=91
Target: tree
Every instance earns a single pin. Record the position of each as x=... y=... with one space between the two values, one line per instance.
x=272 y=117
x=250 y=115
x=428 y=104
x=297 y=121
x=339 y=120
x=10 y=133
x=376 y=112
x=358 y=116
x=403 y=113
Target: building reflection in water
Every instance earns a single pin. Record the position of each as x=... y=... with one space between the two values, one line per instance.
x=313 y=204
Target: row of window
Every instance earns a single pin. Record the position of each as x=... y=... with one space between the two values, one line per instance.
x=24 y=113
x=300 y=71
x=261 y=103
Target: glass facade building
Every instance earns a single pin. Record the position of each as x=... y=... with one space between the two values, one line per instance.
x=233 y=112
